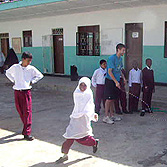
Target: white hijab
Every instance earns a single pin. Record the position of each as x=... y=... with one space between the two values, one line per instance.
x=83 y=101
x=82 y=114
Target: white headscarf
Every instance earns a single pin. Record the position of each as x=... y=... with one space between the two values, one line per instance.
x=83 y=101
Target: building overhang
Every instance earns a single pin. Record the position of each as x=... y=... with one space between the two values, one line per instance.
x=21 y=10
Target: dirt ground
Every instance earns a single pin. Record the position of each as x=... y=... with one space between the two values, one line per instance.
x=132 y=142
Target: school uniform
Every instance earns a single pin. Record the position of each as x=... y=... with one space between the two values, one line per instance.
x=135 y=82
x=98 y=81
x=79 y=128
x=22 y=77
x=121 y=100
x=148 y=87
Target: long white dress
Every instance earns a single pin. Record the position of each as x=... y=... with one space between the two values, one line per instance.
x=83 y=113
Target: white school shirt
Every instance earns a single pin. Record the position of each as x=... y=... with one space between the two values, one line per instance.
x=99 y=77
x=135 y=76
x=149 y=68
x=22 y=76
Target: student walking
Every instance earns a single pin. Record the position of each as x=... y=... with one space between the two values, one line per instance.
x=112 y=85
x=148 y=85
x=98 y=81
x=23 y=75
x=135 y=83
x=79 y=128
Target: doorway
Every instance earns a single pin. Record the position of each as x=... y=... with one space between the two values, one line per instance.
x=134 y=45
x=58 y=50
x=4 y=43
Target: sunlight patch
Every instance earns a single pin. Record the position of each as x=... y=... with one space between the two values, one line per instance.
x=16 y=152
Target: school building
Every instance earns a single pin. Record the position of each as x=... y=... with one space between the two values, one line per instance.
x=62 y=33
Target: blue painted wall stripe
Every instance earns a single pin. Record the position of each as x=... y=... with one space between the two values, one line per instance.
x=156 y=53
x=25 y=3
x=87 y=64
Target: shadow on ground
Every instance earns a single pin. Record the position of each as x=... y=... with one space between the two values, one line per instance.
x=51 y=164
x=131 y=141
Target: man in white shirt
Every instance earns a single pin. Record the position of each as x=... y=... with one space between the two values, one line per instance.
x=135 y=82
x=98 y=81
x=23 y=75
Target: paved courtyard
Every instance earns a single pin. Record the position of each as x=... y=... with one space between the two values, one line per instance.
x=133 y=142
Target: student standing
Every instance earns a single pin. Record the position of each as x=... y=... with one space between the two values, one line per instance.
x=98 y=81
x=112 y=85
x=122 y=98
x=135 y=83
x=79 y=128
x=23 y=75
x=148 y=85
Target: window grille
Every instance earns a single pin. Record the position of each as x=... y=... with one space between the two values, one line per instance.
x=87 y=41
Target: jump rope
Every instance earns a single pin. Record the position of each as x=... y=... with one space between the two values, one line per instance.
x=149 y=109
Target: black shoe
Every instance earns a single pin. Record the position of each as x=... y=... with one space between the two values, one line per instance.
x=150 y=111
x=125 y=112
x=95 y=147
x=142 y=113
x=119 y=113
x=62 y=159
x=97 y=112
x=146 y=110
x=29 y=138
x=130 y=112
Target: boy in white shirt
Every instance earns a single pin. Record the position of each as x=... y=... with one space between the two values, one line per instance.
x=23 y=75
x=98 y=81
x=135 y=82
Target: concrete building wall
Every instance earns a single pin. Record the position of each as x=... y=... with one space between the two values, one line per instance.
x=153 y=19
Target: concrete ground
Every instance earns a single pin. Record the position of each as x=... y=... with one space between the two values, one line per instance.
x=133 y=142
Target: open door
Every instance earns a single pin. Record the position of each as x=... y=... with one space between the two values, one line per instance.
x=48 y=59
x=4 y=43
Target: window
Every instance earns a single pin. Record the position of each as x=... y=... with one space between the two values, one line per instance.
x=57 y=31
x=87 y=42
x=27 y=38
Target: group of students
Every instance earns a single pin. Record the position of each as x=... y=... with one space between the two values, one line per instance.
x=107 y=80
x=108 y=89
x=138 y=80
x=23 y=76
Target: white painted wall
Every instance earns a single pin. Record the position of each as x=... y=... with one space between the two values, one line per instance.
x=153 y=19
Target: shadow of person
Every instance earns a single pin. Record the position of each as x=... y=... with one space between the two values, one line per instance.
x=7 y=139
x=53 y=164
